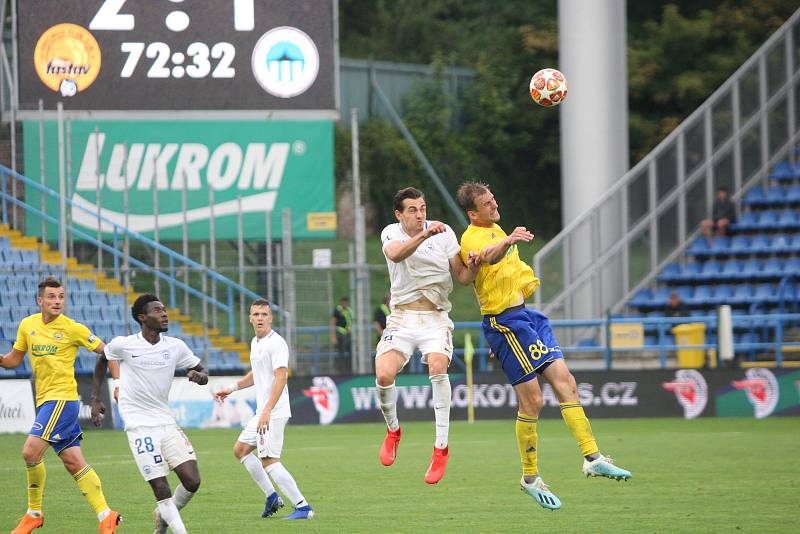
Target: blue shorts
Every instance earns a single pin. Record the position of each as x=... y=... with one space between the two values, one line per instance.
x=57 y=422
x=523 y=341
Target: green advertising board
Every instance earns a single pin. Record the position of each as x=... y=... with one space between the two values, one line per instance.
x=261 y=166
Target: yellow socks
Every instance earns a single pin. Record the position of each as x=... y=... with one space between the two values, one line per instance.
x=89 y=484
x=527 y=441
x=36 y=478
x=576 y=420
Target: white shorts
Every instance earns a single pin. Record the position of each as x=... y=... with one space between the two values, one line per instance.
x=157 y=449
x=270 y=443
x=408 y=330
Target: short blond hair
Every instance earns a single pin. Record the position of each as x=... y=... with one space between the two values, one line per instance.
x=468 y=192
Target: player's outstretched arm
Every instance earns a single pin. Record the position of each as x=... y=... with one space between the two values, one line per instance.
x=465 y=274
x=198 y=374
x=494 y=253
x=242 y=383
x=397 y=251
x=98 y=407
x=12 y=359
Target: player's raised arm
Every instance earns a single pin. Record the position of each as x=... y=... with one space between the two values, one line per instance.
x=242 y=383
x=397 y=251
x=494 y=253
x=465 y=274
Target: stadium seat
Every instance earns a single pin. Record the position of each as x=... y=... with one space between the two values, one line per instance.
x=780 y=244
x=767 y=220
x=784 y=171
x=701 y=297
x=721 y=294
x=690 y=272
x=792 y=266
x=740 y=245
x=754 y=196
x=720 y=246
x=684 y=292
x=742 y=295
x=670 y=273
x=760 y=244
x=773 y=268
x=711 y=270
x=765 y=294
x=788 y=220
x=641 y=299
x=748 y=220
x=699 y=247
x=793 y=195
x=776 y=195
x=731 y=270
x=794 y=246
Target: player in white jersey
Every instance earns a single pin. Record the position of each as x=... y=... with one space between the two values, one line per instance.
x=420 y=255
x=269 y=362
x=147 y=366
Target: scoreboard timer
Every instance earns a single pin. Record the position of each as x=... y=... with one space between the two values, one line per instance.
x=178 y=54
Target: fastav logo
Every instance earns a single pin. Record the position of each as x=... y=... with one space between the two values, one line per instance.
x=325 y=395
x=691 y=390
x=67 y=59
x=285 y=62
x=762 y=390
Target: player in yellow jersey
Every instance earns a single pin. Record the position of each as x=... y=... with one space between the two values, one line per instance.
x=53 y=339
x=523 y=340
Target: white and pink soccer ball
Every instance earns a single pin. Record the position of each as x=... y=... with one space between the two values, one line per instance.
x=548 y=87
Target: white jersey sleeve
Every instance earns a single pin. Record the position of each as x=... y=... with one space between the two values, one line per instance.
x=450 y=241
x=280 y=354
x=186 y=359
x=389 y=234
x=114 y=350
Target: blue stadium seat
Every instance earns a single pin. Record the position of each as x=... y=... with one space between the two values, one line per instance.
x=767 y=220
x=773 y=268
x=760 y=244
x=780 y=244
x=765 y=294
x=731 y=270
x=660 y=297
x=793 y=194
x=788 y=220
x=711 y=270
x=792 y=266
x=642 y=298
x=776 y=195
x=742 y=295
x=795 y=244
x=720 y=246
x=754 y=196
x=740 y=245
x=701 y=297
x=784 y=171
x=670 y=273
x=721 y=294
x=698 y=247
x=748 y=220
x=690 y=272
x=684 y=292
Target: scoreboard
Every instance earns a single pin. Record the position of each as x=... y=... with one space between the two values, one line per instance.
x=130 y=55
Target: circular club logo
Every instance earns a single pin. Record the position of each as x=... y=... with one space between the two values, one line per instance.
x=67 y=58
x=762 y=390
x=690 y=390
x=285 y=62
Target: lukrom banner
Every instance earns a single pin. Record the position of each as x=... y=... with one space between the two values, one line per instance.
x=255 y=166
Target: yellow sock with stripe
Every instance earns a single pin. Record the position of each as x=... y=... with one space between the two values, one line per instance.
x=37 y=475
x=527 y=439
x=578 y=423
x=89 y=484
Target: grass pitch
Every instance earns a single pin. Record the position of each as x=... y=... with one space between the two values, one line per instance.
x=709 y=475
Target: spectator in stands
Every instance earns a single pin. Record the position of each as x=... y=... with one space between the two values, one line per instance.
x=381 y=313
x=723 y=213
x=675 y=306
x=341 y=327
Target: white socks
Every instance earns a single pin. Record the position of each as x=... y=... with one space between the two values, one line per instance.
x=387 y=396
x=181 y=496
x=286 y=483
x=442 y=393
x=256 y=470
x=169 y=513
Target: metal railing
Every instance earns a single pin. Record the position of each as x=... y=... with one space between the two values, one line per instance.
x=178 y=265
x=646 y=219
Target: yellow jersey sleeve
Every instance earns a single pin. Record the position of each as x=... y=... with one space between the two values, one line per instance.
x=498 y=286
x=83 y=337
x=21 y=343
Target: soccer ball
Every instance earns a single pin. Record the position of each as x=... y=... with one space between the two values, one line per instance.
x=548 y=87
